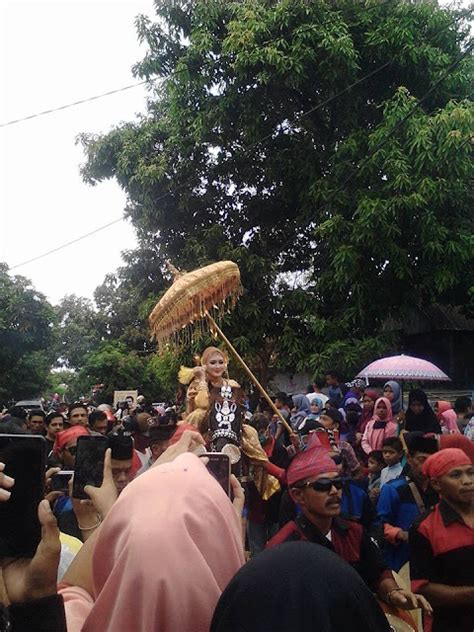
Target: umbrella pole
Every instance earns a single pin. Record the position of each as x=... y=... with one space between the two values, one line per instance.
x=254 y=379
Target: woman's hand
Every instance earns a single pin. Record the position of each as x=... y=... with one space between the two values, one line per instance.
x=188 y=442
x=104 y=497
x=27 y=580
x=6 y=483
x=239 y=496
x=406 y=600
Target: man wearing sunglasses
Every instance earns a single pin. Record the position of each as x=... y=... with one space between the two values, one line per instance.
x=315 y=484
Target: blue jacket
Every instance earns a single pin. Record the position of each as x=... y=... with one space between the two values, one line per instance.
x=397 y=507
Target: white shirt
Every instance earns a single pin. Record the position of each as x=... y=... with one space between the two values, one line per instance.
x=324 y=398
x=390 y=472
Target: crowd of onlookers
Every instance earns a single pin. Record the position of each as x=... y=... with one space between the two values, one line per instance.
x=385 y=487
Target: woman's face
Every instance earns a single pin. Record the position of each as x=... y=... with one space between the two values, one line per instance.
x=388 y=393
x=381 y=411
x=416 y=407
x=314 y=408
x=368 y=403
x=215 y=366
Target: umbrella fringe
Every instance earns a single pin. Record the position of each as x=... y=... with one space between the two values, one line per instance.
x=169 y=330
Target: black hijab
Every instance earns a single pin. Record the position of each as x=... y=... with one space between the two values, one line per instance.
x=426 y=421
x=298 y=586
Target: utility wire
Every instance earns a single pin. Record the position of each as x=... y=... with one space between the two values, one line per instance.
x=69 y=243
x=141 y=83
x=306 y=113
x=382 y=144
x=73 y=104
x=187 y=182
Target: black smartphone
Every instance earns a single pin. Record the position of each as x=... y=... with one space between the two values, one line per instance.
x=89 y=468
x=25 y=460
x=60 y=481
x=219 y=466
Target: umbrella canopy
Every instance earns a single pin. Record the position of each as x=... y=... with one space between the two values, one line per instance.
x=191 y=296
x=404 y=367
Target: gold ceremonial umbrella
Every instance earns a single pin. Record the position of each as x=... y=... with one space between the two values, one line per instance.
x=187 y=304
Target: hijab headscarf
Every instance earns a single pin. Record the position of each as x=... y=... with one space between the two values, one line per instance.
x=367 y=415
x=302 y=404
x=449 y=422
x=426 y=421
x=443 y=406
x=397 y=403
x=388 y=405
x=303 y=409
x=298 y=586
x=166 y=551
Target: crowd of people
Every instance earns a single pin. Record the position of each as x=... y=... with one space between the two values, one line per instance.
x=347 y=496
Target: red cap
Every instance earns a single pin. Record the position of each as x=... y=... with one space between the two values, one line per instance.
x=65 y=436
x=444 y=461
x=312 y=462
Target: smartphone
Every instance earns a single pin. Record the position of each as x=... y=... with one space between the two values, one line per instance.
x=219 y=466
x=89 y=468
x=60 y=481
x=25 y=460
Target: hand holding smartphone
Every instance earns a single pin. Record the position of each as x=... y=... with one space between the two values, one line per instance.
x=20 y=530
x=89 y=466
x=60 y=481
x=218 y=466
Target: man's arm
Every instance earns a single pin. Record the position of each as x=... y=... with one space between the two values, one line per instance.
x=448 y=596
x=421 y=571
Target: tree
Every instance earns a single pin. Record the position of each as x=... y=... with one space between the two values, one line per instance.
x=26 y=321
x=118 y=368
x=79 y=330
x=283 y=139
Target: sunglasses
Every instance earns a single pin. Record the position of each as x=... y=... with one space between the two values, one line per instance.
x=323 y=484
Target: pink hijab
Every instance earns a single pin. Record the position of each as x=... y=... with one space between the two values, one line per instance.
x=442 y=407
x=166 y=551
x=448 y=420
x=388 y=405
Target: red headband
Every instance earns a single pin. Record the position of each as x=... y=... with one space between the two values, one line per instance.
x=311 y=462
x=444 y=461
x=66 y=435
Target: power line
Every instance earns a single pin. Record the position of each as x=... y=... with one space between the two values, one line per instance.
x=136 y=85
x=186 y=182
x=382 y=144
x=298 y=118
x=73 y=104
x=69 y=243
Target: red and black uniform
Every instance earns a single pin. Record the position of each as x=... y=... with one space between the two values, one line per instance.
x=348 y=540
x=442 y=552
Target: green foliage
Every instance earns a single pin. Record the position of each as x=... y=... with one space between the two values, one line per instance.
x=78 y=331
x=247 y=153
x=26 y=321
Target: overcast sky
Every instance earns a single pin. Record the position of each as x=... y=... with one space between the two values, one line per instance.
x=53 y=53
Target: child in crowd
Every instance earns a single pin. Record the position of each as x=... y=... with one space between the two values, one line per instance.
x=375 y=465
x=392 y=450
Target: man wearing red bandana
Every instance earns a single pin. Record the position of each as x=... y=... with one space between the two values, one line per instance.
x=315 y=484
x=442 y=543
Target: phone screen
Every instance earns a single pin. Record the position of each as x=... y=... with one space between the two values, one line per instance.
x=219 y=466
x=60 y=481
x=20 y=530
x=89 y=467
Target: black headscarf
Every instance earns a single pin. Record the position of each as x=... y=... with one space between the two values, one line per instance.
x=298 y=586
x=426 y=421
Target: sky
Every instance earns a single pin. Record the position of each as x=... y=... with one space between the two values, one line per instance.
x=53 y=53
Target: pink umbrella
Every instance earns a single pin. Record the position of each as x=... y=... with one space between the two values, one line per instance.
x=404 y=367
